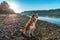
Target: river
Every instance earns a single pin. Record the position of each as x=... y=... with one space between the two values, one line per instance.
x=50 y=19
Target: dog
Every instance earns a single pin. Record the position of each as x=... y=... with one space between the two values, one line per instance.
x=30 y=25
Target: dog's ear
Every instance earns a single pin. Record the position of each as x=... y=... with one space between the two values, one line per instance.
x=33 y=15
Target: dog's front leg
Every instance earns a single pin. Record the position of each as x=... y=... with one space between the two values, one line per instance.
x=29 y=33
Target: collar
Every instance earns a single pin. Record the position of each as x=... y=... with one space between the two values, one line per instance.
x=33 y=19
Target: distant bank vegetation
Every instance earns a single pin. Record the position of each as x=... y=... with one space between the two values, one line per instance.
x=52 y=12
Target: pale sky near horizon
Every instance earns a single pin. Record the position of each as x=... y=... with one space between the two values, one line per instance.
x=25 y=5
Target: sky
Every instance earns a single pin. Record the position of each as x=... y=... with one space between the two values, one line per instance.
x=26 y=5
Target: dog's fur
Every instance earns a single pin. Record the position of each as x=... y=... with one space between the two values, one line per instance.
x=30 y=25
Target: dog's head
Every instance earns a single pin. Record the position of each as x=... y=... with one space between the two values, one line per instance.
x=35 y=15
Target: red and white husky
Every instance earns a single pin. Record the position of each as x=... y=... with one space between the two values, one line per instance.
x=30 y=25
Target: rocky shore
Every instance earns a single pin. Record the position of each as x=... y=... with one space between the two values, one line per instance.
x=11 y=24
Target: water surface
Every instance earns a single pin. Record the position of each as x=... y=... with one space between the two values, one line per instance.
x=50 y=20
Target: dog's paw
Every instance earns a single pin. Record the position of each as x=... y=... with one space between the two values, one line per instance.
x=21 y=30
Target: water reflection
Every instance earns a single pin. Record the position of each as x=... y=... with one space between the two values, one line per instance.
x=50 y=19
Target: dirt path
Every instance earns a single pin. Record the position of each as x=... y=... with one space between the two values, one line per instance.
x=10 y=20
